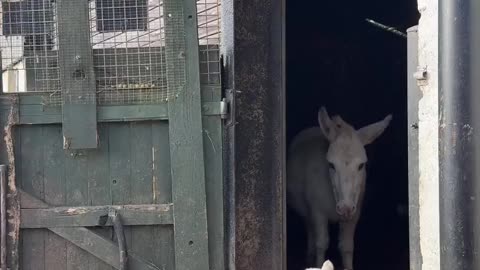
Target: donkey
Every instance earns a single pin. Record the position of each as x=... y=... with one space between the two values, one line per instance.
x=326 y=181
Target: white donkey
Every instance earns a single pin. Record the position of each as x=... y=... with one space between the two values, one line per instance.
x=326 y=181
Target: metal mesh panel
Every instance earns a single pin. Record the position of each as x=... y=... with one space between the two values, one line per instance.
x=128 y=50
x=28 y=44
x=209 y=40
x=128 y=46
x=128 y=39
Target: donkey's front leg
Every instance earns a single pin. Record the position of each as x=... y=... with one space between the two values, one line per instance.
x=311 y=241
x=321 y=238
x=346 y=242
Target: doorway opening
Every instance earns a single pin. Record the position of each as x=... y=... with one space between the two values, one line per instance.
x=336 y=59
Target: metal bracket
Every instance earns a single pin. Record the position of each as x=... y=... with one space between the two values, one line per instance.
x=421 y=75
x=230 y=98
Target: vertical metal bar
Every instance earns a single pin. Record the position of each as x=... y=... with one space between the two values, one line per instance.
x=414 y=95
x=3 y=217
x=459 y=133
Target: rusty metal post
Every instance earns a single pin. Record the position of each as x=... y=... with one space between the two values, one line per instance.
x=3 y=217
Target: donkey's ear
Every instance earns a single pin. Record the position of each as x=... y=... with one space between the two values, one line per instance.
x=326 y=124
x=370 y=133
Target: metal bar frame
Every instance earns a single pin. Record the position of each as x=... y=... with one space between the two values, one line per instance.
x=459 y=135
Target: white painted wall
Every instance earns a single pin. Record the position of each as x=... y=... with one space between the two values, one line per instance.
x=428 y=137
x=15 y=79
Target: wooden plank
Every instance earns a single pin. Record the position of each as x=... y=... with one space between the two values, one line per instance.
x=162 y=191
x=102 y=248
x=38 y=114
x=132 y=113
x=76 y=193
x=213 y=143
x=186 y=142
x=83 y=238
x=77 y=75
x=143 y=241
x=54 y=184
x=88 y=216
x=31 y=178
x=33 y=114
x=120 y=167
x=99 y=189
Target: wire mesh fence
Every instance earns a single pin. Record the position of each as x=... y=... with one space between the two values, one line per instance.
x=208 y=16
x=128 y=46
x=129 y=60
x=29 y=46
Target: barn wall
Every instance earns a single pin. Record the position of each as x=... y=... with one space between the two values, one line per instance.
x=428 y=136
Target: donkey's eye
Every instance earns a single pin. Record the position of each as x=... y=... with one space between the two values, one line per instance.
x=331 y=166
x=361 y=166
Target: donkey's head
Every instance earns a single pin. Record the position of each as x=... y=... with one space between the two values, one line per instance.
x=347 y=158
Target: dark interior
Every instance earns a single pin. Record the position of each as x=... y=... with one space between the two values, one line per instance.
x=335 y=58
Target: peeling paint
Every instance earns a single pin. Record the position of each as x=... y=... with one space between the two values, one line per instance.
x=428 y=137
x=13 y=204
x=154 y=177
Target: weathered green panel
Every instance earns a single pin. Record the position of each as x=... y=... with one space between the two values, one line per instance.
x=99 y=188
x=142 y=186
x=213 y=152
x=162 y=188
x=131 y=166
x=77 y=76
x=140 y=159
x=30 y=175
x=76 y=193
x=54 y=188
x=88 y=216
x=120 y=167
x=186 y=144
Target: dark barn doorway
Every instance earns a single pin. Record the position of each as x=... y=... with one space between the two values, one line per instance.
x=335 y=58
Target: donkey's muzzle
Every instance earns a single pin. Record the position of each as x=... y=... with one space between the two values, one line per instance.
x=345 y=210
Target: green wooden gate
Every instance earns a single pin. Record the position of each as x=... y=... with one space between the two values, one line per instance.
x=120 y=124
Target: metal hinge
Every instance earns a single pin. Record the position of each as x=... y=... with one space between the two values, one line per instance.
x=230 y=97
x=225 y=108
x=216 y=109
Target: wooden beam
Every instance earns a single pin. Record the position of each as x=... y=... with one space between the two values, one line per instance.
x=186 y=136
x=152 y=214
x=77 y=76
x=100 y=247
x=32 y=114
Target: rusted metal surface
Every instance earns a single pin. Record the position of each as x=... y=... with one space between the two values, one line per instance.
x=253 y=50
